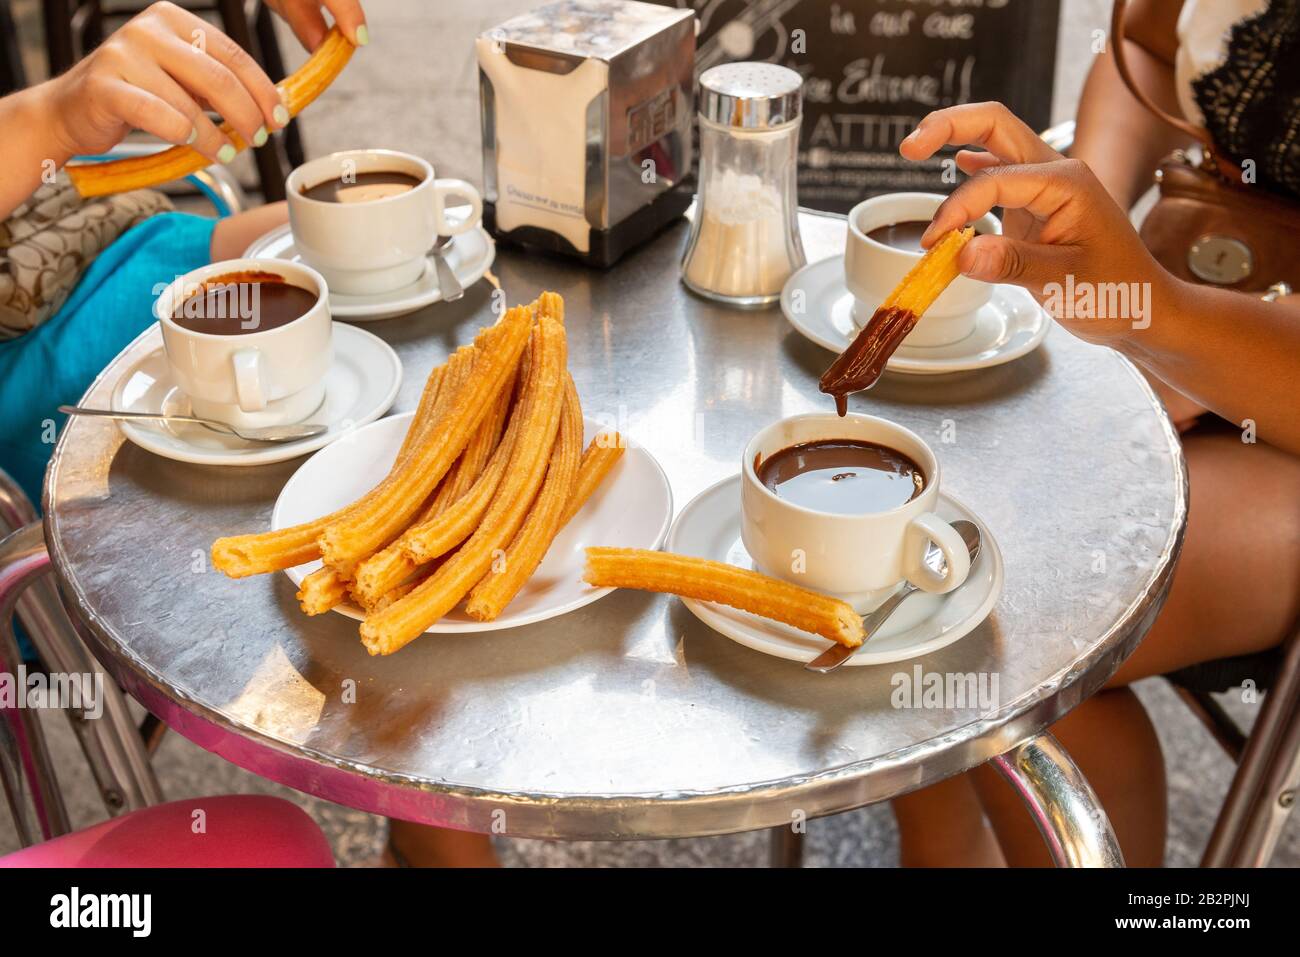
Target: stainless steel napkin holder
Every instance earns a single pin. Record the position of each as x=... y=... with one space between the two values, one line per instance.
x=586 y=112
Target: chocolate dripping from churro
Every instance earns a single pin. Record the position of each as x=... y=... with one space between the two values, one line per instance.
x=861 y=364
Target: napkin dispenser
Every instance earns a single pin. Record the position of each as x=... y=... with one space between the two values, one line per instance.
x=586 y=110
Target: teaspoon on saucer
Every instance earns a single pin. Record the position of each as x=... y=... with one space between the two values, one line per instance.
x=294 y=432
x=836 y=655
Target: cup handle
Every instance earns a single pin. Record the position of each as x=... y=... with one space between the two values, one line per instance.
x=929 y=527
x=247 y=364
x=442 y=188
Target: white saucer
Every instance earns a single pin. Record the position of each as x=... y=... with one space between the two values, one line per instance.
x=1011 y=325
x=632 y=508
x=709 y=527
x=470 y=255
x=360 y=387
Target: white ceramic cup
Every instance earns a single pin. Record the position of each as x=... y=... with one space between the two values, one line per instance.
x=872 y=269
x=861 y=557
x=373 y=247
x=256 y=378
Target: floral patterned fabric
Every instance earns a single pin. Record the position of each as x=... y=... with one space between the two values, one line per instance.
x=51 y=239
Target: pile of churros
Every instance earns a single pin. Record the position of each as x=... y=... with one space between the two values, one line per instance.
x=491 y=468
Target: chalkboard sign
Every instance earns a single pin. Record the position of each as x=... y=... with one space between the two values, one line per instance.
x=873 y=68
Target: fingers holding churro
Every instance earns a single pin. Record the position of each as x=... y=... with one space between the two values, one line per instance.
x=139 y=172
x=863 y=362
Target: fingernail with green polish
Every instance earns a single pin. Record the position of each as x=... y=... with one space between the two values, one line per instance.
x=363 y=35
x=226 y=155
x=194 y=135
x=261 y=136
x=281 y=115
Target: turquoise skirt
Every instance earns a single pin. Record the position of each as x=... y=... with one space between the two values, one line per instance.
x=112 y=304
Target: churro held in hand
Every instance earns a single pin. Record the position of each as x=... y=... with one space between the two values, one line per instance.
x=862 y=363
x=140 y=172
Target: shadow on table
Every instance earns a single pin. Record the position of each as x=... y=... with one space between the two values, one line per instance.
x=853 y=710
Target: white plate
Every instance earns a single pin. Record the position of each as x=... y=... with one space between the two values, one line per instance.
x=360 y=386
x=709 y=527
x=632 y=509
x=470 y=255
x=1009 y=326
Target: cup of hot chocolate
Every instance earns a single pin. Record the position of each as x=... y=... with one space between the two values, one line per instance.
x=366 y=219
x=249 y=340
x=846 y=506
x=884 y=242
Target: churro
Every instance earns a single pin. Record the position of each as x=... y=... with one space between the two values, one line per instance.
x=390 y=566
x=441 y=533
x=602 y=455
x=491 y=595
x=863 y=362
x=706 y=580
x=540 y=405
x=322 y=590
x=139 y=172
x=389 y=509
x=239 y=556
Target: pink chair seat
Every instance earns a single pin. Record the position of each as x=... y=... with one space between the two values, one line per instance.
x=232 y=831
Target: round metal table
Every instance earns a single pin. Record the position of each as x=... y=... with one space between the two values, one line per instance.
x=629 y=718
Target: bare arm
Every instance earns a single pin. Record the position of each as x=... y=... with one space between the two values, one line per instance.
x=1238 y=355
x=30 y=149
x=158 y=72
x=1115 y=134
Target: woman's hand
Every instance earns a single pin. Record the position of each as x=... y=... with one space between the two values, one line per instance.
x=1064 y=238
x=158 y=73
x=308 y=23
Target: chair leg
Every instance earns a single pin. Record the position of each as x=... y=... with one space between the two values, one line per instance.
x=57 y=15
x=268 y=46
x=1263 y=789
x=22 y=559
x=12 y=75
x=270 y=171
x=113 y=746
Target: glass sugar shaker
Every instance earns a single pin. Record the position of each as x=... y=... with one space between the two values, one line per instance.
x=744 y=240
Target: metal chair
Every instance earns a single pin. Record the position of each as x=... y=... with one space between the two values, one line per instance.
x=113 y=745
x=74 y=27
x=116 y=750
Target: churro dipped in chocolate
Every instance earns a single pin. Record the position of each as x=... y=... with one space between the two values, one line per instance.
x=861 y=364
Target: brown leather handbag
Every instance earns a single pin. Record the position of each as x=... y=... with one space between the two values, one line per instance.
x=1209 y=226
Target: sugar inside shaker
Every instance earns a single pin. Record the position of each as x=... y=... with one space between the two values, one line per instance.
x=744 y=241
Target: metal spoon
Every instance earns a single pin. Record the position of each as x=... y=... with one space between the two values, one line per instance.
x=836 y=655
x=293 y=432
x=448 y=284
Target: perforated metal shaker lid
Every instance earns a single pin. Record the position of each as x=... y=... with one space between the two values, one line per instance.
x=752 y=96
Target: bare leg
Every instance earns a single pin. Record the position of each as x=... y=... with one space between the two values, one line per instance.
x=236 y=233
x=1113 y=742
x=1242 y=551
x=1237 y=587
x=944 y=826
x=422 y=846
